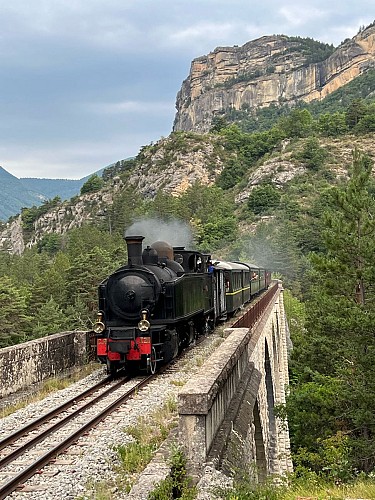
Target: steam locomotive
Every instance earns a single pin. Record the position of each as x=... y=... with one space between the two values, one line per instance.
x=157 y=304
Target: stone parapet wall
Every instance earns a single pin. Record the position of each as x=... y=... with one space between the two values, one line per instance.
x=31 y=362
x=205 y=400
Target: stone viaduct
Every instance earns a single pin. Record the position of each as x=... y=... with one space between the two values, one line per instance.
x=226 y=412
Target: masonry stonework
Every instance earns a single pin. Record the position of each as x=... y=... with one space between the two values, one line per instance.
x=31 y=362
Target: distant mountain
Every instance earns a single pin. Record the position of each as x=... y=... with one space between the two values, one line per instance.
x=15 y=195
x=25 y=192
x=50 y=188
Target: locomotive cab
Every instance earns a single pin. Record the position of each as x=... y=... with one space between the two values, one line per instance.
x=191 y=261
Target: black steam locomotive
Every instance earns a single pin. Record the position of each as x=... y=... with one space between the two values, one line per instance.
x=162 y=299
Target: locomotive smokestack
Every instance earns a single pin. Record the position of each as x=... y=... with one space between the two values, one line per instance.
x=134 y=244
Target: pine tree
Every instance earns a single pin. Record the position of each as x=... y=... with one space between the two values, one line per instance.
x=85 y=274
x=48 y=319
x=339 y=350
x=51 y=283
x=13 y=307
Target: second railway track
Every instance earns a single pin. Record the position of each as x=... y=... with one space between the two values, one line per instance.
x=32 y=442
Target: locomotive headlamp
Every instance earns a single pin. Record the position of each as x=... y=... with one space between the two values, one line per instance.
x=144 y=324
x=99 y=326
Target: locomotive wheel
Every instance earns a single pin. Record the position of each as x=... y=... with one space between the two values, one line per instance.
x=151 y=365
x=111 y=368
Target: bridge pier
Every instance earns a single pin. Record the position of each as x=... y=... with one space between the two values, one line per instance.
x=226 y=412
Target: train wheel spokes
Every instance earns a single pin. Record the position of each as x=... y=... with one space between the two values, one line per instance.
x=152 y=361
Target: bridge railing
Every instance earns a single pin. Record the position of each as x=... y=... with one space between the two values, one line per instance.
x=251 y=316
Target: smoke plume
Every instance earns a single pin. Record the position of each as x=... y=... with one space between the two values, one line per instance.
x=174 y=232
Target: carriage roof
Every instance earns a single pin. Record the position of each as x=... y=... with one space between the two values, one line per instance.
x=252 y=266
x=230 y=266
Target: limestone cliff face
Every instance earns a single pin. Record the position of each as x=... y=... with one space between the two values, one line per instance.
x=269 y=70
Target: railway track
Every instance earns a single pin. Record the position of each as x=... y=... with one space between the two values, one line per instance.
x=20 y=446
x=24 y=442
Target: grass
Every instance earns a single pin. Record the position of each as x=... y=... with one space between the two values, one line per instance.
x=146 y=437
x=217 y=343
x=178 y=484
x=48 y=387
x=305 y=490
x=199 y=361
x=308 y=489
x=178 y=383
x=360 y=489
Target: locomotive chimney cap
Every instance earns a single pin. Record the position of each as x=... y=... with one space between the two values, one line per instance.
x=135 y=239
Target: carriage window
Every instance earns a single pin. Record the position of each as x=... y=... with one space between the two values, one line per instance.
x=237 y=281
x=227 y=283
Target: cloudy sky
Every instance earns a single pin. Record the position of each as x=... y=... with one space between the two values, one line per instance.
x=85 y=83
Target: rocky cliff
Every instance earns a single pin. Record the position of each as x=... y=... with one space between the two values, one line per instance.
x=172 y=165
x=65 y=216
x=269 y=70
x=175 y=163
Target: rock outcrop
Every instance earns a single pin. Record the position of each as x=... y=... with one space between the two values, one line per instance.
x=269 y=70
x=11 y=238
x=68 y=215
x=175 y=167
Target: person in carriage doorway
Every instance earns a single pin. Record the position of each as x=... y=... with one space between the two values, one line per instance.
x=210 y=267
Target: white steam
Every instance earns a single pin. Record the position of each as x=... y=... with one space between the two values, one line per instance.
x=174 y=232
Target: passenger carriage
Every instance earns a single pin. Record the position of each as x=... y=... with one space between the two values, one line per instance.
x=237 y=284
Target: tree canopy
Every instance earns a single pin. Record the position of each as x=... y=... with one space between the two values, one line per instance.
x=334 y=363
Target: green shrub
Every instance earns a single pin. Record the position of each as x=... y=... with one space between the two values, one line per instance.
x=263 y=199
x=178 y=484
x=312 y=155
x=92 y=185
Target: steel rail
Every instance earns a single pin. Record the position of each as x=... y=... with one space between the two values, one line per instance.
x=40 y=437
x=22 y=476
x=48 y=416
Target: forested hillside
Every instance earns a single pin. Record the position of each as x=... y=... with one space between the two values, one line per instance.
x=296 y=194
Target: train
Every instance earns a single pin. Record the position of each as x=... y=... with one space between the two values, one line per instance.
x=164 y=297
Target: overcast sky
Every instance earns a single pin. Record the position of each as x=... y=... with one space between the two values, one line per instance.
x=85 y=83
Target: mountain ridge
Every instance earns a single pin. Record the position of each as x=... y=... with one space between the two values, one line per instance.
x=24 y=192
